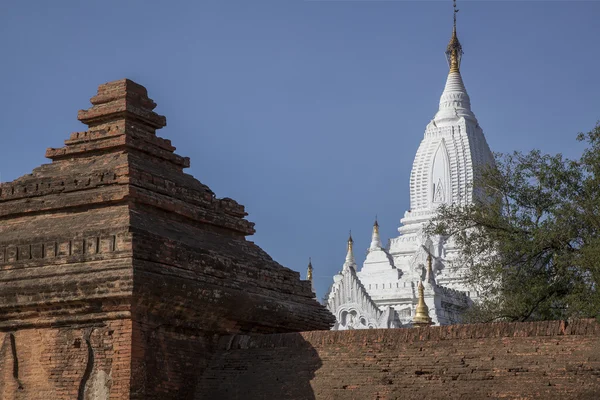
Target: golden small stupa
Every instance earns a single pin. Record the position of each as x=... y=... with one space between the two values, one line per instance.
x=422 y=317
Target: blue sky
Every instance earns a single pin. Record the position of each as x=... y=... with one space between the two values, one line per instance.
x=307 y=112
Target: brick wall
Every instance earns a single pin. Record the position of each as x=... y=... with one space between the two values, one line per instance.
x=167 y=360
x=549 y=360
x=68 y=363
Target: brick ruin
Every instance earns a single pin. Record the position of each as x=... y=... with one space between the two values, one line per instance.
x=122 y=277
x=118 y=271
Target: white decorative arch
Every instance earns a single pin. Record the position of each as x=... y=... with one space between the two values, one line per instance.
x=440 y=182
x=350 y=318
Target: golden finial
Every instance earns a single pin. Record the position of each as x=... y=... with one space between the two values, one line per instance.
x=454 y=50
x=422 y=317
x=309 y=271
x=376 y=225
x=350 y=242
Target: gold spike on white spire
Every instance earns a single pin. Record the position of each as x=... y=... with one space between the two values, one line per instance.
x=454 y=102
x=375 y=240
x=454 y=50
x=350 y=261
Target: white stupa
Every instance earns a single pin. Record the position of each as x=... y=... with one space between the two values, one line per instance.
x=452 y=150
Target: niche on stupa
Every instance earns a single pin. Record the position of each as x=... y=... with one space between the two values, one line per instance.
x=440 y=182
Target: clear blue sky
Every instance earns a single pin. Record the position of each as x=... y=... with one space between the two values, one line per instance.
x=307 y=112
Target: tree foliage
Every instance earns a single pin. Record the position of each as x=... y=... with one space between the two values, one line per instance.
x=530 y=241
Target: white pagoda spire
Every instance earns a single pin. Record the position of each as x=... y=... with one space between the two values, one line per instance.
x=454 y=102
x=448 y=159
x=350 y=261
x=375 y=240
x=383 y=293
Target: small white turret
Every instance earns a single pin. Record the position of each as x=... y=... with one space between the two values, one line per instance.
x=350 y=261
x=375 y=240
x=309 y=274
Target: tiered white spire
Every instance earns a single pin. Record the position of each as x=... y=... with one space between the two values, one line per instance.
x=452 y=149
x=449 y=157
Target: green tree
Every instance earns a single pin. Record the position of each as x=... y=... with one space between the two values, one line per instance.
x=531 y=242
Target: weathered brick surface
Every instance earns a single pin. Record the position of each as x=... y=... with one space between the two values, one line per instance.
x=543 y=360
x=60 y=363
x=118 y=271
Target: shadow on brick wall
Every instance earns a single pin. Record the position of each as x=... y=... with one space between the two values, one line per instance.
x=279 y=366
x=524 y=360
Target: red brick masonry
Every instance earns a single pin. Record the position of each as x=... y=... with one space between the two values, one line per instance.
x=541 y=360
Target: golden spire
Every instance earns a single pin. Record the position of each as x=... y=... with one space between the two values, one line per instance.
x=376 y=226
x=454 y=50
x=309 y=271
x=422 y=317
